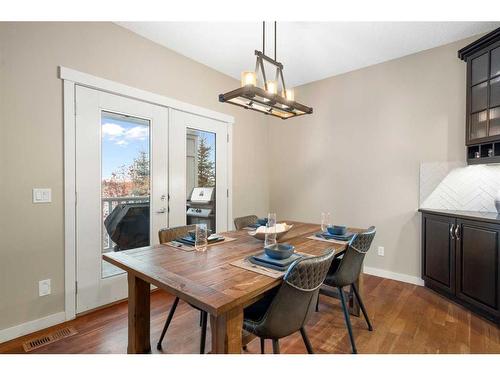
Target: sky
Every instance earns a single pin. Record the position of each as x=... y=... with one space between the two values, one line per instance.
x=122 y=141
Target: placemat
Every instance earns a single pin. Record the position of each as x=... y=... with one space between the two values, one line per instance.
x=184 y=247
x=247 y=265
x=313 y=237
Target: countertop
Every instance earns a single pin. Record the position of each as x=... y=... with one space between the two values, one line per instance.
x=488 y=217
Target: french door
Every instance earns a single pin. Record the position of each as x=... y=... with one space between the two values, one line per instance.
x=136 y=165
x=199 y=160
x=121 y=187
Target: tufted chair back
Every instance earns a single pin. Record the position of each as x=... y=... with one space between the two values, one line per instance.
x=296 y=298
x=170 y=234
x=244 y=221
x=349 y=268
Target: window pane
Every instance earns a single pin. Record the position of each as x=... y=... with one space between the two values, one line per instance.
x=479 y=99
x=495 y=92
x=125 y=184
x=201 y=173
x=478 y=125
x=479 y=67
x=495 y=121
x=495 y=62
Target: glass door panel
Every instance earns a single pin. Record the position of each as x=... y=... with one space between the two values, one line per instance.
x=478 y=125
x=495 y=121
x=201 y=173
x=479 y=69
x=494 y=92
x=125 y=184
x=479 y=97
x=495 y=62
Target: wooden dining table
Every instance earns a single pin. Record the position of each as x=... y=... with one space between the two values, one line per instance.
x=206 y=280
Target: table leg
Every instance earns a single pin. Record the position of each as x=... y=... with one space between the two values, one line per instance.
x=138 y=315
x=227 y=332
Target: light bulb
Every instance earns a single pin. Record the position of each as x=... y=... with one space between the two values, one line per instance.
x=290 y=95
x=248 y=78
x=272 y=87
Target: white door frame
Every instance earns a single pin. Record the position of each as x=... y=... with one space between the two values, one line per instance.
x=71 y=78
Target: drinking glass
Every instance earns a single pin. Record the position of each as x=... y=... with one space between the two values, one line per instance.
x=201 y=241
x=325 y=221
x=270 y=230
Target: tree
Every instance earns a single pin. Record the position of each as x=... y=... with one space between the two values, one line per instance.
x=138 y=172
x=132 y=180
x=206 y=167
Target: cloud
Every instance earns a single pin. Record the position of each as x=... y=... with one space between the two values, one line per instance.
x=137 y=132
x=122 y=136
x=112 y=131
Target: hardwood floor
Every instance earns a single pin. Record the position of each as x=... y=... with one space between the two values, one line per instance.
x=406 y=319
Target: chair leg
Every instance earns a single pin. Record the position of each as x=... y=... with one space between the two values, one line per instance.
x=347 y=319
x=317 y=303
x=201 y=318
x=167 y=323
x=306 y=341
x=262 y=343
x=204 y=316
x=276 y=346
x=362 y=305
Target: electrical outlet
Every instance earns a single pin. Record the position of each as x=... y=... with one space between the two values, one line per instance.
x=44 y=287
x=381 y=251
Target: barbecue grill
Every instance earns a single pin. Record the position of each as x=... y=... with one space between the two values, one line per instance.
x=128 y=225
x=201 y=207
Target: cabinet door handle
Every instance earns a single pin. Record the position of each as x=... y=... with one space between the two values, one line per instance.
x=451 y=231
x=457 y=233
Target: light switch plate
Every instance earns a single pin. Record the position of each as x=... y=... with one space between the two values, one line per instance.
x=42 y=195
x=44 y=287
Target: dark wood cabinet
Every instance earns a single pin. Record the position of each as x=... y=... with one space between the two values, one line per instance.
x=477 y=254
x=439 y=252
x=461 y=260
x=482 y=136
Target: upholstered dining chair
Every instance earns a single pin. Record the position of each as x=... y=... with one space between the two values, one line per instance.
x=345 y=271
x=167 y=235
x=245 y=221
x=286 y=309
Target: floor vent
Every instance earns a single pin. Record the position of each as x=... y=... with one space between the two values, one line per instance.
x=49 y=338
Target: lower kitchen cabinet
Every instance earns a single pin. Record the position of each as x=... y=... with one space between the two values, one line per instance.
x=461 y=259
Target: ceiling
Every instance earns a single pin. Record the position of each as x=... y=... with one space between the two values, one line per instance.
x=309 y=51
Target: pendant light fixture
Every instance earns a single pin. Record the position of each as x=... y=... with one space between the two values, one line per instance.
x=272 y=97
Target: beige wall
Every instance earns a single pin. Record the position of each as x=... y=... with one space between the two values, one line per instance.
x=358 y=155
x=31 y=141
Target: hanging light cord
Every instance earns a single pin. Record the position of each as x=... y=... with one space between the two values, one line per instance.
x=275 y=41
x=264 y=37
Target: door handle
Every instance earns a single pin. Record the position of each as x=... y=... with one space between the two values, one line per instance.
x=161 y=210
x=457 y=236
x=451 y=231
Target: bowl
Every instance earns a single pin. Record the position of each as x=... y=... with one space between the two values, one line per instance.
x=337 y=230
x=262 y=236
x=262 y=221
x=279 y=251
x=192 y=233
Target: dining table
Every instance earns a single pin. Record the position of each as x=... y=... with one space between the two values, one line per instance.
x=208 y=280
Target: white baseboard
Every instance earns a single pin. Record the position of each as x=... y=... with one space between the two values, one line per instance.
x=32 y=326
x=393 y=275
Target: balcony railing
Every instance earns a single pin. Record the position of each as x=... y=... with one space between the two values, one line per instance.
x=108 y=204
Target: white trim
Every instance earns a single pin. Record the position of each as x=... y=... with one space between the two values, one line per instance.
x=70 y=78
x=393 y=275
x=69 y=201
x=31 y=326
x=102 y=84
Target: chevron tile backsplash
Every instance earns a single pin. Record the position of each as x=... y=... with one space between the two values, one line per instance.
x=453 y=186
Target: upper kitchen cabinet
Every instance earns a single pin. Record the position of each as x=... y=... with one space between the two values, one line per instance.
x=483 y=98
